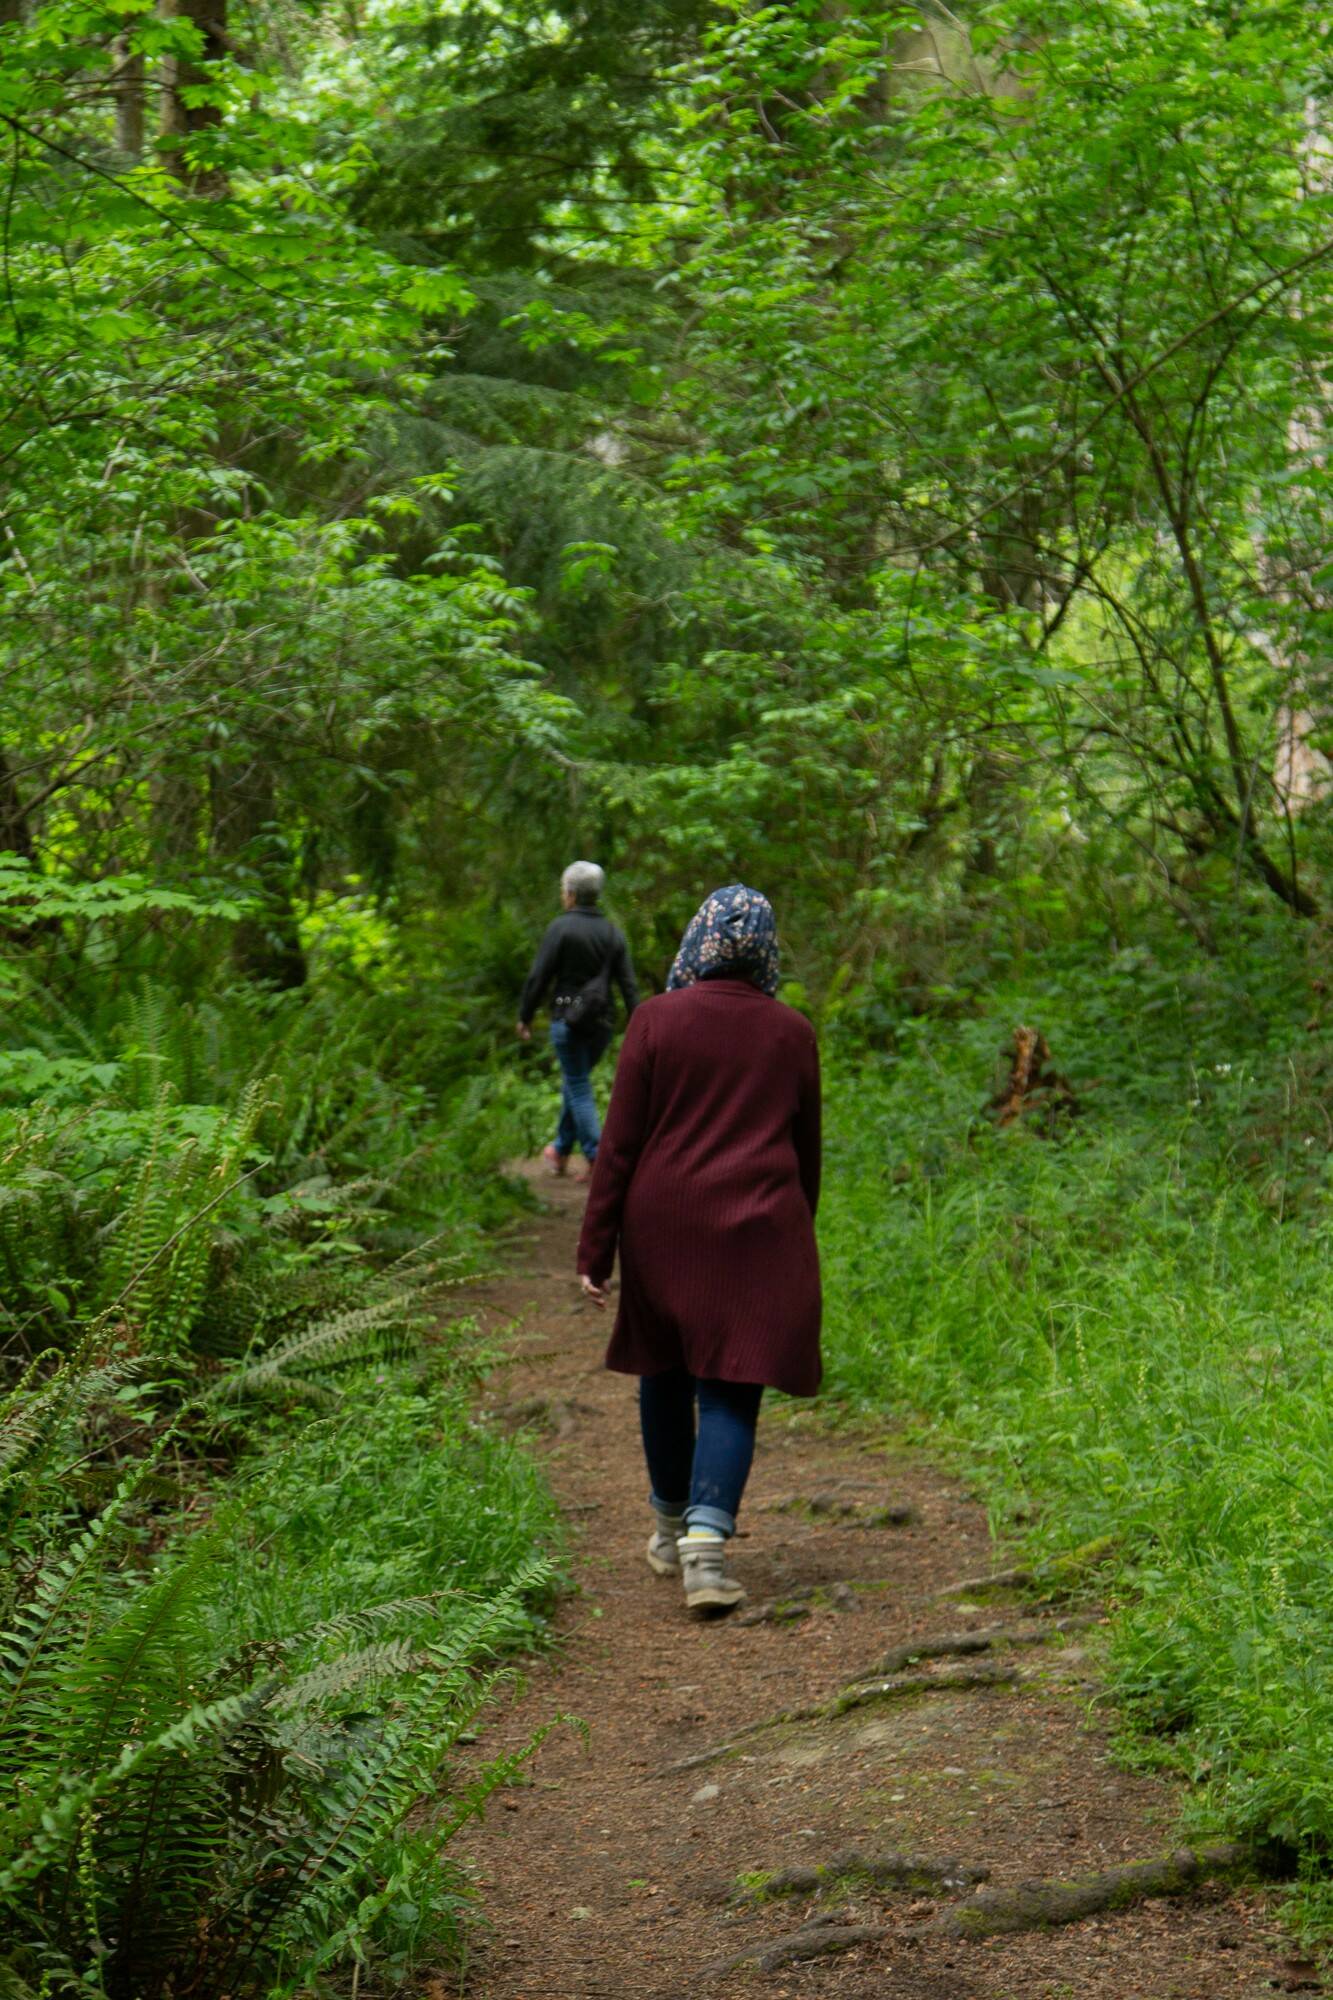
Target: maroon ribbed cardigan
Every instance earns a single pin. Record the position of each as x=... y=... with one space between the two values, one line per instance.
x=708 y=1176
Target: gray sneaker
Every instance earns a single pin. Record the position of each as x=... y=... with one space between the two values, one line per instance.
x=663 y=1555
x=708 y=1586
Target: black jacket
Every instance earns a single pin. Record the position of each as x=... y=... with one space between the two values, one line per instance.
x=576 y=947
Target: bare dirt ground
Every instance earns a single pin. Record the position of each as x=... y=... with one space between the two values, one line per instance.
x=606 y=1871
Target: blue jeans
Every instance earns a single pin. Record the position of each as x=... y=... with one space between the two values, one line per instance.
x=578 y=1054
x=700 y=1477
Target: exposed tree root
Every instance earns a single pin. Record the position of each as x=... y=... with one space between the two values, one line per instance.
x=714 y=1755
x=887 y=1682
x=829 y=1505
x=814 y=1940
x=800 y=1603
x=553 y=1413
x=1060 y=1571
x=999 y=1579
x=984 y=1639
x=883 y=1871
x=952 y=1680
x=1033 y=1905
x=900 y=1515
x=832 y=1506
x=858 y=1695
x=778 y=1611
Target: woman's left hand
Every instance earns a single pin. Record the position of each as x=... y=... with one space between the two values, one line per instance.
x=597 y=1293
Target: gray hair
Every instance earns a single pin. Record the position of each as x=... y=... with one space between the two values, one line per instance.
x=583 y=880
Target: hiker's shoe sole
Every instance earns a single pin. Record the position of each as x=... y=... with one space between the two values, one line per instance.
x=709 y=1587
x=714 y=1599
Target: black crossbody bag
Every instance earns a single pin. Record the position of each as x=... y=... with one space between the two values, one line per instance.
x=592 y=1003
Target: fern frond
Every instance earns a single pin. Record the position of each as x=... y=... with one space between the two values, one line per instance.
x=36 y=1424
x=331 y=1678
x=350 y=1935
x=25 y=1415
x=152 y=1848
x=382 y=1781
x=42 y=1828
x=362 y=1333
x=38 y=1623
x=365 y=1618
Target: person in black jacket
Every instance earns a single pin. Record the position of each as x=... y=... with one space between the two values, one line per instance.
x=580 y=955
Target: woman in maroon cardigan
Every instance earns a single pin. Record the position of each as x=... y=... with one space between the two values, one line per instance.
x=707 y=1177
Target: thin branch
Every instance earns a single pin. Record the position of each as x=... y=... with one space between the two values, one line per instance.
x=18 y=126
x=1276 y=281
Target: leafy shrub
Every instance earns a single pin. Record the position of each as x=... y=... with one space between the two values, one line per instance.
x=261 y=1568
x=1125 y=1339
x=218 y=1729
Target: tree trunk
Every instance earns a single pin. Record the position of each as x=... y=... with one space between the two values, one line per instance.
x=16 y=838
x=992 y=811
x=176 y=807
x=15 y=832
x=1010 y=579
x=129 y=84
x=266 y=947
x=182 y=123
x=1301 y=771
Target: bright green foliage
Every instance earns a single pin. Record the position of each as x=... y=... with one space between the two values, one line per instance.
x=205 y=621
x=798 y=389
x=1127 y=1336
x=219 y=1702
x=220 y=1713
x=878 y=452
x=157 y=1268
x=1002 y=353
x=226 y=1818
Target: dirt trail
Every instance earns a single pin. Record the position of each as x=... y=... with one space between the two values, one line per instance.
x=606 y=1873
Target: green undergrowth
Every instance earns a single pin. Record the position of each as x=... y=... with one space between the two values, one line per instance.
x=262 y=1570
x=1123 y=1322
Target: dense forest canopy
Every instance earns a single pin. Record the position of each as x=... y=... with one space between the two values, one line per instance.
x=874 y=453
x=878 y=452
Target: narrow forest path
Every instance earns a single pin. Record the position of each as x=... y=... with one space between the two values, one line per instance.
x=611 y=1869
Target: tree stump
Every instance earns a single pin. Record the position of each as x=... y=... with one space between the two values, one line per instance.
x=1032 y=1091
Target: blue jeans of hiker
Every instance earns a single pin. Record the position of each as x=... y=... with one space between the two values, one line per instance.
x=700 y=1475
x=578 y=1054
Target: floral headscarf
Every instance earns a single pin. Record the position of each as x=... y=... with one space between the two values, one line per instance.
x=733 y=936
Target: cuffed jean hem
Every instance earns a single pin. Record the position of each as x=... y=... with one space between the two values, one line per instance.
x=711 y=1517
x=660 y=1506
